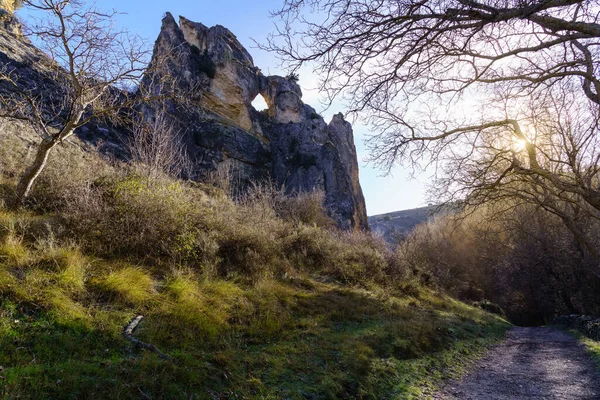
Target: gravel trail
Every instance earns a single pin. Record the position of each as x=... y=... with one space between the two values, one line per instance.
x=532 y=363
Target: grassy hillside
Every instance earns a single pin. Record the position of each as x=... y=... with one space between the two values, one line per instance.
x=593 y=347
x=253 y=299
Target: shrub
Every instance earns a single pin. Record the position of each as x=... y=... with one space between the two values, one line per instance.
x=68 y=178
x=247 y=251
x=114 y=212
x=351 y=257
x=360 y=258
x=134 y=216
x=304 y=207
x=515 y=255
x=307 y=208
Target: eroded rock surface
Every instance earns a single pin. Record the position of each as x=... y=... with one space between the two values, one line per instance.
x=289 y=143
x=209 y=81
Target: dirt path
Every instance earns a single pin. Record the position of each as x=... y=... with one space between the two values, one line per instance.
x=533 y=363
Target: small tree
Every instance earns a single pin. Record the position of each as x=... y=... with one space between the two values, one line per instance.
x=89 y=64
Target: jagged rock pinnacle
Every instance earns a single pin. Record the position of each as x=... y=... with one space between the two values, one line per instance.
x=289 y=143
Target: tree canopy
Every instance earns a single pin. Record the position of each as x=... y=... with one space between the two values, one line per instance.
x=501 y=97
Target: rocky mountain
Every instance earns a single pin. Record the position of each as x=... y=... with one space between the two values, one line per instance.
x=212 y=82
x=396 y=225
x=216 y=82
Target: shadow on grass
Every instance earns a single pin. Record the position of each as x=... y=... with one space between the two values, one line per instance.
x=319 y=341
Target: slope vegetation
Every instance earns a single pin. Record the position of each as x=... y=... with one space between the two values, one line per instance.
x=259 y=298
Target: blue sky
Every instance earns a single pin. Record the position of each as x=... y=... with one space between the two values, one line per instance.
x=250 y=20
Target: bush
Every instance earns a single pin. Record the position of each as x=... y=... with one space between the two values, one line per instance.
x=351 y=257
x=361 y=258
x=305 y=208
x=133 y=216
x=169 y=221
x=515 y=255
x=114 y=212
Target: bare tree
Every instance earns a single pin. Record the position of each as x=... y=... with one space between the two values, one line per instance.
x=435 y=78
x=501 y=97
x=90 y=71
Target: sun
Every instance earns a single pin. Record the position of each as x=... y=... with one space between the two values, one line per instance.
x=519 y=144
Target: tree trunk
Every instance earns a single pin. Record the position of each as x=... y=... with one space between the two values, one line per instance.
x=33 y=172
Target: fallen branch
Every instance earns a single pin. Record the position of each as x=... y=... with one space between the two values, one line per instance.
x=129 y=336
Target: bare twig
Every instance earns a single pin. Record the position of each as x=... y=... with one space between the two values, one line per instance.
x=499 y=97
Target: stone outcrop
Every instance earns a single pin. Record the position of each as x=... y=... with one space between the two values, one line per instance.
x=9 y=23
x=209 y=81
x=216 y=81
x=284 y=98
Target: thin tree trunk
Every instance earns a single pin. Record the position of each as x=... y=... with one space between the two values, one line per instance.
x=33 y=172
x=41 y=158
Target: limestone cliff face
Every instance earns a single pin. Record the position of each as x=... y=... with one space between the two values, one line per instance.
x=289 y=143
x=214 y=81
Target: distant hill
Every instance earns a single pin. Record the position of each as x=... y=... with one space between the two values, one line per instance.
x=398 y=224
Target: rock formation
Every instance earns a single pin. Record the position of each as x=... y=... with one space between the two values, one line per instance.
x=210 y=81
x=289 y=143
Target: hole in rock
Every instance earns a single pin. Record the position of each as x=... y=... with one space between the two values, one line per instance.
x=259 y=103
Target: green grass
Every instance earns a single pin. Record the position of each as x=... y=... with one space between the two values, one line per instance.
x=247 y=304
x=61 y=322
x=592 y=346
x=367 y=355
